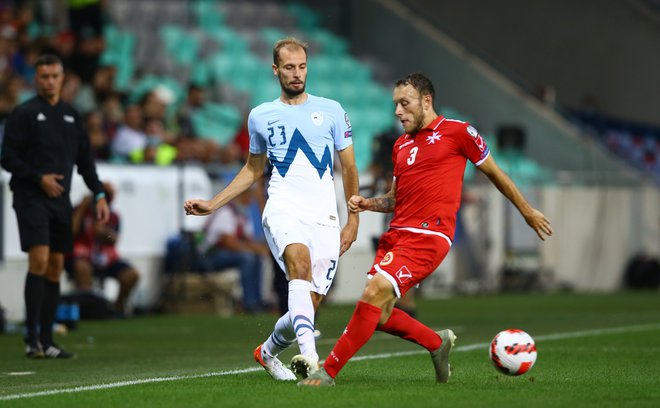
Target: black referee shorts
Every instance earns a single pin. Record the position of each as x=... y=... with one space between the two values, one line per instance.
x=44 y=222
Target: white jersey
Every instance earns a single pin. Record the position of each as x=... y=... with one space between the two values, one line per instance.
x=300 y=141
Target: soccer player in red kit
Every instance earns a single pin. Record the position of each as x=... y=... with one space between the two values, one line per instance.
x=429 y=162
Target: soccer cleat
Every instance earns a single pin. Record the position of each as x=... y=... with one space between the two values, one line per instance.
x=275 y=367
x=440 y=356
x=33 y=351
x=320 y=378
x=54 y=351
x=304 y=366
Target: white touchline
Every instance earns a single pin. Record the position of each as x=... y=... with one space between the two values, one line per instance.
x=470 y=347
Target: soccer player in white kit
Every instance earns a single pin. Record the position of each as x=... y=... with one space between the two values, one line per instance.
x=299 y=134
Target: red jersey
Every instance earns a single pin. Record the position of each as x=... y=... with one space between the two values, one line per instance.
x=428 y=169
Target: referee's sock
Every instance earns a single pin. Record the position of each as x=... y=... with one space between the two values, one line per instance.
x=33 y=293
x=48 y=310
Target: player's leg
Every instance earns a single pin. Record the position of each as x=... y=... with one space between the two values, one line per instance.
x=324 y=242
x=283 y=334
x=403 y=325
x=298 y=263
x=378 y=298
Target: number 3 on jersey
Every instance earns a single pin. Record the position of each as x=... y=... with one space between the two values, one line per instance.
x=413 y=155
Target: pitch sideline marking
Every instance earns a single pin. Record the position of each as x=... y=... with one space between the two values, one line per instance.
x=470 y=347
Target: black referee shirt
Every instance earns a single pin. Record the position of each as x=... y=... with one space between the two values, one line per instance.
x=41 y=138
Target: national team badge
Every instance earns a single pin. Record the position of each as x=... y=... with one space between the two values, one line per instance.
x=317 y=118
x=387 y=259
x=472 y=131
x=403 y=275
x=435 y=137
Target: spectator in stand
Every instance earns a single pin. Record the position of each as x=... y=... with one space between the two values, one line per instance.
x=113 y=113
x=95 y=251
x=70 y=87
x=194 y=102
x=98 y=138
x=157 y=151
x=229 y=242
x=130 y=136
x=86 y=21
x=91 y=95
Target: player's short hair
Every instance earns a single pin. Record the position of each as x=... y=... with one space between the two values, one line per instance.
x=48 y=59
x=420 y=82
x=289 y=42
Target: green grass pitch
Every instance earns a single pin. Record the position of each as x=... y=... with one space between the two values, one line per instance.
x=593 y=350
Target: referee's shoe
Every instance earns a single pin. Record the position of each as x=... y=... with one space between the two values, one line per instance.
x=55 y=351
x=33 y=350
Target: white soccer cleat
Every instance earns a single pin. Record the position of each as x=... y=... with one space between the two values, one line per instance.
x=440 y=356
x=304 y=366
x=274 y=367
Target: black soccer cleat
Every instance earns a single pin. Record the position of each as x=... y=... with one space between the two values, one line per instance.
x=33 y=351
x=54 y=351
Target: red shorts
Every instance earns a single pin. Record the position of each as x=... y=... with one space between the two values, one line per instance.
x=406 y=258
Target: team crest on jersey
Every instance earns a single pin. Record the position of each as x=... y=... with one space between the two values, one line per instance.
x=387 y=259
x=472 y=131
x=317 y=118
x=435 y=137
x=403 y=275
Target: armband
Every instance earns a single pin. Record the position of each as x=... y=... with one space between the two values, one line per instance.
x=99 y=196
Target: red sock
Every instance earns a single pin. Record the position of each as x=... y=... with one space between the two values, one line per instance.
x=403 y=325
x=357 y=333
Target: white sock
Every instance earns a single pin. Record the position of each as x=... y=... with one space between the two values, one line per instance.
x=280 y=339
x=301 y=311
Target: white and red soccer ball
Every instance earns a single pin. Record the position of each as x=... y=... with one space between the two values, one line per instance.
x=513 y=352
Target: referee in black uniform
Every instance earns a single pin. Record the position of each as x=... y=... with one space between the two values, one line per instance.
x=43 y=140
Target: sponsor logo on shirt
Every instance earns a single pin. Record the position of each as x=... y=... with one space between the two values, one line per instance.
x=270 y=122
x=387 y=259
x=403 y=275
x=68 y=118
x=41 y=117
x=406 y=144
x=348 y=122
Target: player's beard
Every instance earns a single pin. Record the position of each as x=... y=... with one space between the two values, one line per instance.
x=290 y=92
x=419 y=122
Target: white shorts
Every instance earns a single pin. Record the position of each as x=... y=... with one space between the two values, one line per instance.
x=282 y=230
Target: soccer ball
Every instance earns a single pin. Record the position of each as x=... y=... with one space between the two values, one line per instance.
x=513 y=352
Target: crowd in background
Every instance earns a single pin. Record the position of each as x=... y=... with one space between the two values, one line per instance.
x=120 y=130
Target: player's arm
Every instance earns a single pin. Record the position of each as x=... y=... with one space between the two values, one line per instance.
x=534 y=218
x=383 y=204
x=249 y=173
x=351 y=188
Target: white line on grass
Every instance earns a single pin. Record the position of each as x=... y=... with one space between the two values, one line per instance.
x=469 y=347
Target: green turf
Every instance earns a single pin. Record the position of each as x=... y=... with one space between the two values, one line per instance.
x=608 y=368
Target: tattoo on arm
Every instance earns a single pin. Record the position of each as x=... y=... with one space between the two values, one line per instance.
x=382 y=204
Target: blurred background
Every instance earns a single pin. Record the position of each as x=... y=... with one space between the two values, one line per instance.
x=566 y=94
